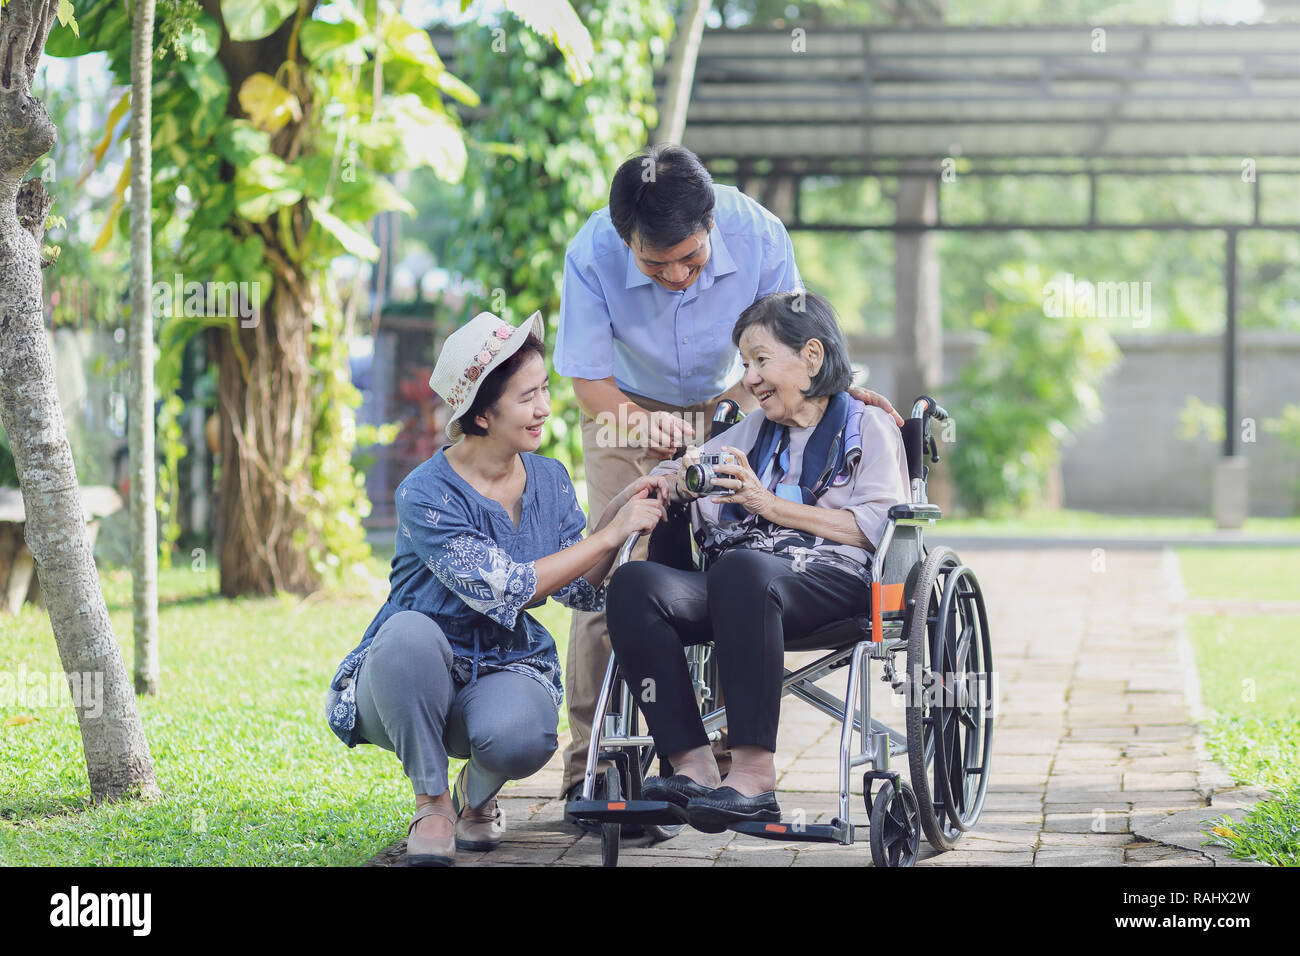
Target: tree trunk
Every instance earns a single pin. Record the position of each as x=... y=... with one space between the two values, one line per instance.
x=117 y=754
x=144 y=517
x=265 y=500
x=681 y=73
x=264 y=390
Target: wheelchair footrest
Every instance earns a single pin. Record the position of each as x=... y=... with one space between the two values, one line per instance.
x=626 y=811
x=837 y=831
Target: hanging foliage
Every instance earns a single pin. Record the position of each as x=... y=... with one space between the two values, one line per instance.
x=528 y=202
x=273 y=136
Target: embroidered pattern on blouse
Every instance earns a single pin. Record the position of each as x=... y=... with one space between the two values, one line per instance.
x=341 y=699
x=578 y=593
x=484 y=577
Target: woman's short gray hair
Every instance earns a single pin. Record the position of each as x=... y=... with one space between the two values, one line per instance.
x=794 y=318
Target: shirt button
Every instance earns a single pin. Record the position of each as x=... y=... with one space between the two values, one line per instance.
x=683 y=341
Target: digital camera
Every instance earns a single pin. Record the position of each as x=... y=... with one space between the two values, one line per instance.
x=701 y=475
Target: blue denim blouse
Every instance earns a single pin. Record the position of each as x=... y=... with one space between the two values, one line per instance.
x=461 y=560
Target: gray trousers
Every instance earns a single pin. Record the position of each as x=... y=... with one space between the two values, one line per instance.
x=409 y=702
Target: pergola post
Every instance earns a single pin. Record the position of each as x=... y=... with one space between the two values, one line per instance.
x=1231 y=488
x=918 y=330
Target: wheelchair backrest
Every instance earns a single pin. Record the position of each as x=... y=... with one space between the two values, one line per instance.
x=914 y=448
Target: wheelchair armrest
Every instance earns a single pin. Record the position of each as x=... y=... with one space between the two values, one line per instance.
x=625 y=552
x=910 y=511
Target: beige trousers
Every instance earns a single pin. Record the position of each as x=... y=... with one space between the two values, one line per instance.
x=610 y=468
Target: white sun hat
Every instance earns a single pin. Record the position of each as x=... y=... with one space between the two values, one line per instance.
x=470 y=353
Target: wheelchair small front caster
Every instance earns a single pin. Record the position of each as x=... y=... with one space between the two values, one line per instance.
x=611 y=833
x=895 y=826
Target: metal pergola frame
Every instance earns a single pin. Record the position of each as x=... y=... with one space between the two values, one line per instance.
x=1229 y=228
x=971 y=80
x=931 y=80
x=1229 y=71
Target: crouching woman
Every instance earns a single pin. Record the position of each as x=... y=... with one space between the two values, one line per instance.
x=452 y=664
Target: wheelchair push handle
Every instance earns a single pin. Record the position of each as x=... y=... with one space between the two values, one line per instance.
x=927 y=407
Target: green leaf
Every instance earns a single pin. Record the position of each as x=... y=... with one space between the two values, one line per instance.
x=255 y=19
x=202 y=40
x=555 y=20
x=430 y=138
x=265 y=185
x=386 y=198
x=353 y=240
x=350 y=12
x=207 y=78
x=376 y=195
x=330 y=44
x=241 y=143
x=104 y=23
x=457 y=89
x=406 y=42
x=270 y=172
x=268 y=104
x=66 y=18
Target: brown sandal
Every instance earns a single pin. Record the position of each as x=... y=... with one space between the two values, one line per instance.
x=427 y=851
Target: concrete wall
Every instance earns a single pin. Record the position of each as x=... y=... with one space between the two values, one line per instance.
x=1133 y=459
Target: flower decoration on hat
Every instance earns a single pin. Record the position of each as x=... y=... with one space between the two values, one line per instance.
x=491 y=348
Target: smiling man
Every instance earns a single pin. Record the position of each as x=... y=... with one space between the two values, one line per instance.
x=653 y=284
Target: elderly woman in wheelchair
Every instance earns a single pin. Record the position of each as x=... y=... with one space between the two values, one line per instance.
x=789 y=507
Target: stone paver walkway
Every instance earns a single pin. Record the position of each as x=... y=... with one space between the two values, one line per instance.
x=1094 y=740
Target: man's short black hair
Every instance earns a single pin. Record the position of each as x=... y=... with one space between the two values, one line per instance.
x=662 y=195
x=490 y=389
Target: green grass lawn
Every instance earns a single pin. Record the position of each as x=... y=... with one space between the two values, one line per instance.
x=1249 y=667
x=251 y=774
x=1070 y=522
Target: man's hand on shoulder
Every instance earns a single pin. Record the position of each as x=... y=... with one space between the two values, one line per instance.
x=868 y=397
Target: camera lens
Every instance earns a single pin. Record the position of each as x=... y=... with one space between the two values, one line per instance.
x=697 y=479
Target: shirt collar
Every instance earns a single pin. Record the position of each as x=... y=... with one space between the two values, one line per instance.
x=720 y=264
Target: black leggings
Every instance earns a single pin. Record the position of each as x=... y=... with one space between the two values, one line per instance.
x=747 y=603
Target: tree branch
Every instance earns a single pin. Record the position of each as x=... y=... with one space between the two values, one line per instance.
x=44 y=22
x=24 y=25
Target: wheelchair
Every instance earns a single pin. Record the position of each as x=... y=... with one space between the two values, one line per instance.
x=924 y=605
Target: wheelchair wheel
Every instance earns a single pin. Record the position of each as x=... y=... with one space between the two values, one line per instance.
x=949 y=691
x=611 y=833
x=895 y=826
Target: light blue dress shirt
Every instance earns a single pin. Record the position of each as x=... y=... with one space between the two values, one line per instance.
x=674 y=347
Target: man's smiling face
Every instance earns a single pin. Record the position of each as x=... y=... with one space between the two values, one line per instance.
x=676 y=267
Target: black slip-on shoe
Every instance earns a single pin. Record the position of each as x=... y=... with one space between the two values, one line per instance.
x=678 y=789
x=724 y=806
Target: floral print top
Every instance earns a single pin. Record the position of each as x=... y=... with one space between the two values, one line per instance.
x=461 y=560
x=874 y=479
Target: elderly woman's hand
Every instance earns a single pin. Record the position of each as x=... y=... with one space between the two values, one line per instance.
x=748 y=491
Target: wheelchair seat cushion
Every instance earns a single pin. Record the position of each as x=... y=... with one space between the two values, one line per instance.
x=834 y=636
